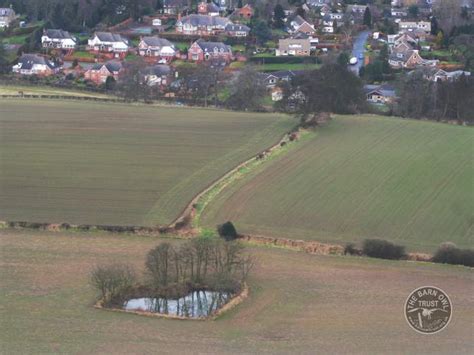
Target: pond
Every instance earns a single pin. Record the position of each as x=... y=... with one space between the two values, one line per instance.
x=197 y=304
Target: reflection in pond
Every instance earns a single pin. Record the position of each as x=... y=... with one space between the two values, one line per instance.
x=194 y=305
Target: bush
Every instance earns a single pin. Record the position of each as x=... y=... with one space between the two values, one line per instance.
x=378 y=248
x=449 y=253
x=350 y=249
x=227 y=231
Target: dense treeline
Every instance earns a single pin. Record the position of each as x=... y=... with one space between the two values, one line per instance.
x=421 y=98
x=76 y=15
x=333 y=88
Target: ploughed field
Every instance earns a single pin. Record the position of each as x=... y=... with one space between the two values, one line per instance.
x=298 y=303
x=109 y=163
x=360 y=177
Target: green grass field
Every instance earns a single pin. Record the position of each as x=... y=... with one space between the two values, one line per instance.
x=298 y=303
x=110 y=163
x=362 y=177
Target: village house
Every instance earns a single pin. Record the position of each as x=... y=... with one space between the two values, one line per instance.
x=174 y=7
x=356 y=10
x=274 y=78
x=106 y=42
x=99 y=73
x=7 y=16
x=293 y=47
x=58 y=39
x=314 y=41
x=201 y=24
x=159 y=48
x=299 y=24
x=440 y=75
x=160 y=75
x=237 y=30
x=203 y=51
x=424 y=26
x=380 y=94
x=34 y=64
x=245 y=12
x=208 y=8
x=408 y=59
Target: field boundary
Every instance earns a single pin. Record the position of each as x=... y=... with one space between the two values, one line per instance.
x=189 y=216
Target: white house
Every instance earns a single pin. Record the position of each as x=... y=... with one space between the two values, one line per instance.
x=108 y=42
x=33 y=64
x=7 y=15
x=58 y=39
x=424 y=26
x=156 y=47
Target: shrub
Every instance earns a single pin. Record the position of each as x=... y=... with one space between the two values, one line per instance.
x=113 y=282
x=449 y=253
x=379 y=248
x=350 y=249
x=227 y=231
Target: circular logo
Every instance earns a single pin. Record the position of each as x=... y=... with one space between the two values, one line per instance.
x=428 y=310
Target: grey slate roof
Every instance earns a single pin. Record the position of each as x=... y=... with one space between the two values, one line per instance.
x=157 y=42
x=112 y=66
x=204 y=20
x=385 y=90
x=58 y=34
x=210 y=46
x=158 y=70
x=28 y=60
x=110 y=37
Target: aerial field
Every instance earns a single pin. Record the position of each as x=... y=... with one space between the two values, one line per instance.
x=360 y=177
x=298 y=303
x=110 y=163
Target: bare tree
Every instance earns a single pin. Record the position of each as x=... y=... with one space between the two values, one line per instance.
x=112 y=281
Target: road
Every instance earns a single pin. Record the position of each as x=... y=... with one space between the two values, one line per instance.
x=357 y=49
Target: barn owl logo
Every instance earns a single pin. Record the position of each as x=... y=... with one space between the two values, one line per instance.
x=428 y=309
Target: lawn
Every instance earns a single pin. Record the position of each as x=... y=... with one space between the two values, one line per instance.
x=18 y=39
x=298 y=303
x=110 y=163
x=362 y=177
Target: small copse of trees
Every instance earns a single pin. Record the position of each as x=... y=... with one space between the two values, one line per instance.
x=173 y=271
x=113 y=282
x=383 y=249
x=449 y=253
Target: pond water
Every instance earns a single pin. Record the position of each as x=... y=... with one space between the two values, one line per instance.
x=197 y=304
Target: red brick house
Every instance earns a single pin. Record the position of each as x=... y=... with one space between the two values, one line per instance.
x=101 y=71
x=244 y=12
x=208 y=8
x=202 y=51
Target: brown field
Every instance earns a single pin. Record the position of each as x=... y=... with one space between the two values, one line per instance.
x=298 y=303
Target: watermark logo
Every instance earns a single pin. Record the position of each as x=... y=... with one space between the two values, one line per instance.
x=428 y=310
